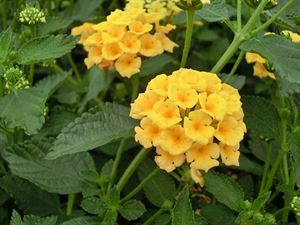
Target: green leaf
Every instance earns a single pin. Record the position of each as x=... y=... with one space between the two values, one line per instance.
x=61 y=176
x=294 y=149
x=99 y=80
x=6 y=37
x=260 y=201
x=183 y=213
x=84 y=10
x=35 y=220
x=16 y=219
x=214 y=12
x=25 y=108
x=236 y=81
x=261 y=116
x=44 y=48
x=93 y=205
x=224 y=189
x=54 y=24
x=218 y=215
x=284 y=56
x=132 y=210
x=163 y=219
x=110 y=217
x=154 y=65
x=82 y=221
x=29 y=197
x=93 y=130
x=160 y=188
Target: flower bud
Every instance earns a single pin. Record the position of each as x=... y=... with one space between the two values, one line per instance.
x=258 y=218
x=32 y=15
x=192 y=4
x=269 y=219
x=295 y=205
x=254 y=3
x=15 y=79
x=246 y=205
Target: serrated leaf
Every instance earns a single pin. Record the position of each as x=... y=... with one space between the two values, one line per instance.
x=15 y=219
x=217 y=215
x=93 y=205
x=132 y=210
x=93 y=130
x=261 y=116
x=214 y=12
x=29 y=197
x=82 y=221
x=44 y=48
x=35 y=220
x=6 y=37
x=84 y=10
x=148 y=68
x=25 y=108
x=54 y=24
x=61 y=176
x=224 y=189
x=183 y=213
x=160 y=187
x=260 y=201
x=110 y=217
x=284 y=56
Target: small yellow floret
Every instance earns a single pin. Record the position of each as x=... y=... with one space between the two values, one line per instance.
x=130 y=43
x=128 y=65
x=166 y=161
x=151 y=46
x=182 y=95
x=214 y=105
x=294 y=36
x=139 y=28
x=197 y=176
x=148 y=133
x=159 y=84
x=261 y=71
x=111 y=51
x=113 y=33
x=230 y=154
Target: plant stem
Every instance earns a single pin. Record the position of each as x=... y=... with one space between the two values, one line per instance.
x=188 y=36
x=271 y=20
x=72 y=83
x=70 y=204
x=135 y=83
x=74 y=67
x=266 y=167
x=239 y=15
x=117 y=162
x=154 y=216
x=131 y=168
x=235 y=66
x=281 y=210
x=140 y=186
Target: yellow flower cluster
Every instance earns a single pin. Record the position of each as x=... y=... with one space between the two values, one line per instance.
x=124 y=39
x=190 y=116
x=259 y=68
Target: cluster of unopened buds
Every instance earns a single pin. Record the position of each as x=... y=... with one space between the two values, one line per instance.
x=15 y=79
x=190 y=116
x=262 y=68
x=125 y=39
x=32 y=15
x=295 y=205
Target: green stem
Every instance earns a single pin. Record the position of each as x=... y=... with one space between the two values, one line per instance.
x=188 y=36
x=154 y=216
x=74 y=67
x=271 y=20
x=140 y=186
x=70 y=204
x=4 y=10
x=131 y=168
x=281 y=210
x=235 y=66
x=239 y=15
x=31 y=73
x=117 y=162
x=70 y=82
x=135 y=83
x=266 y=167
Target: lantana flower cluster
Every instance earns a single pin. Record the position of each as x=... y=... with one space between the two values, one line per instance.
x=190 y=116
x=124 y=39
x=261 y=65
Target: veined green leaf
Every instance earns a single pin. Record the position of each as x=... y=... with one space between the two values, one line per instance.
x=35 y=220
x=93 y=130
x=6 y=38
x=132 y=210
x=216 y=11
x=43 y=48
x=16 y=219
x=82 y=221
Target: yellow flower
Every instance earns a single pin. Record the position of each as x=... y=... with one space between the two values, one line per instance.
x=193 y=78
x=254 y=57
x=94 y=57
x=174 y=141
x=93 y=40
x=203 y=157
x=151 y=46
x=197 y=176
x=130 y=43
x=213 y=82
x=157 y=7
x=230 y=154
x=230 y=131
x=183 y=95
x=214 y=105
x=294 y=36
x=111 y=51
x=165 y=114
x=159 y=84
x=143 y=105
x=166 y=161
x=85 y=30
x=198 y=127
x=119 y=17
x=261 y=71
x=148 y=133
x=128 y=64
x=232 y=98
x=139 y=28
x=164 y=29
x=113 y=33
x=167 y=44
